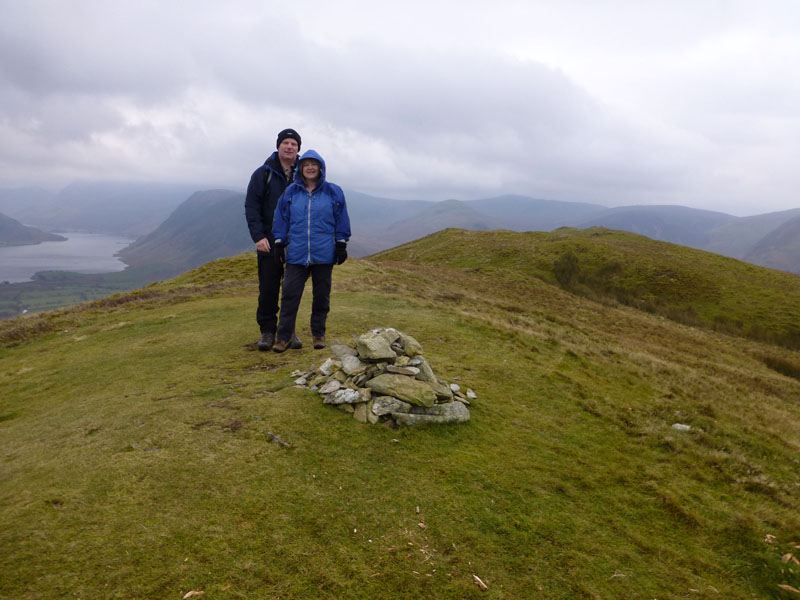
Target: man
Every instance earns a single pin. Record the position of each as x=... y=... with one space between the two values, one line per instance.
x=267 y=184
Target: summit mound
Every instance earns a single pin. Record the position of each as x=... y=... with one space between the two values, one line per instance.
x=149 y=450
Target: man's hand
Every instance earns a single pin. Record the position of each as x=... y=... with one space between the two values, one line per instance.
x=262 y=245
x=340 y=253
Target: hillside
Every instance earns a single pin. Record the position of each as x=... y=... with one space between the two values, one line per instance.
x=139 y=461
x=14 y=233
x=118 y=208
x=437 y=216
x=739 y=237
x=522 y=213
x=676 y=224
x=779 y=250
x=207 y=226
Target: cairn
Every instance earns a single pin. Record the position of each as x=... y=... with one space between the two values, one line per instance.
x=386 y=379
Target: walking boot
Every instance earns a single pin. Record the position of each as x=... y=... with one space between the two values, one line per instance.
x=280 y=346
x=295 y=343
x=266 y=341
x=319 y=342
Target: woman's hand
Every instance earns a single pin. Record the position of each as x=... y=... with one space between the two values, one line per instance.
x=340 y=253
x=279 y=253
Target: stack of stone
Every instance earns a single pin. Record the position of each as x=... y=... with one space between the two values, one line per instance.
x=386 y=379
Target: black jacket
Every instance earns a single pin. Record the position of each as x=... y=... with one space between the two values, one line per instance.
x=267 y=184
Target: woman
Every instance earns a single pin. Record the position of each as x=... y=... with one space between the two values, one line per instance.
x=311 y=228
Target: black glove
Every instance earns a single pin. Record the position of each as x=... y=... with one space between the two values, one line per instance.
x=279 y=252
x=340 y=254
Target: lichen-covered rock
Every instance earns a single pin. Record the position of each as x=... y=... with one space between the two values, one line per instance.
x=372 y=418
x=403 y=387
x=452 y=412
x=351 y=365
x=319 y=380
x=360 y=412
x=341 y=350
x=343 y=396
x=425 y=371
x=386 y=405
x=330 y=386
x=390 y=334
x=412 y=371
x=373 y=346
x=328 y=367
x=411 y=347
x=442 y=390
x=348 y=396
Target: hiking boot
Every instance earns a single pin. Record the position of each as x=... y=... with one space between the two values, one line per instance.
x=295 y=343
x=280 y=346
x=319 y=342
x=266 y=341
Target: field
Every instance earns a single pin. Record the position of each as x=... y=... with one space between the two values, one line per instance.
x=138 y=457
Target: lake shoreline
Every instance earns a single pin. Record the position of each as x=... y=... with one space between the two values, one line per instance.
x=81 y=253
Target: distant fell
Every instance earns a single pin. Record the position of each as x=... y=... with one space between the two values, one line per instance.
x=441 y=215
x=379 y=224
x=523 y=213
x=382 y=223
x=14 y=233
x=377 y=229
x=22 y=203
x=780 y=249
x=738 y=237
x=677 y=224
x=206 y=226
x=118 y=208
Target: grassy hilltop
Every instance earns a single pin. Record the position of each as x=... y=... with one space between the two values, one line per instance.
x=137 y=458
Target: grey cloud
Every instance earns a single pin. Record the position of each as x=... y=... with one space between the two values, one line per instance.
x=198 y=90
x=110 y=49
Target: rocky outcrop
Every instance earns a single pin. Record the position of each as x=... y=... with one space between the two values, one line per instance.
x=386 y=379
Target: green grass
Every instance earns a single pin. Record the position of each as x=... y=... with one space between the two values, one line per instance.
x=687 y=285
x=137 y=459
x=56 y=289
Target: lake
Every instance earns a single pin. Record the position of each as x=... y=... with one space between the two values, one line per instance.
x=81 y=253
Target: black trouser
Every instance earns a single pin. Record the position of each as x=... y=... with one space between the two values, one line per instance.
x=270 y=273
x=293 y=284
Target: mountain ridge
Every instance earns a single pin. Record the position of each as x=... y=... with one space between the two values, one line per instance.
x=14 y=233
x=381 y=223
x=206 y=226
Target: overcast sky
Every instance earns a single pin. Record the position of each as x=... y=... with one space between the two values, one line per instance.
x=691 y=102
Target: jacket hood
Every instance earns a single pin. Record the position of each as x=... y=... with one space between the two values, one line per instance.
x=298 y=177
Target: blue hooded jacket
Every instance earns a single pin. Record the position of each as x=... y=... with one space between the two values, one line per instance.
x=310 y=223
